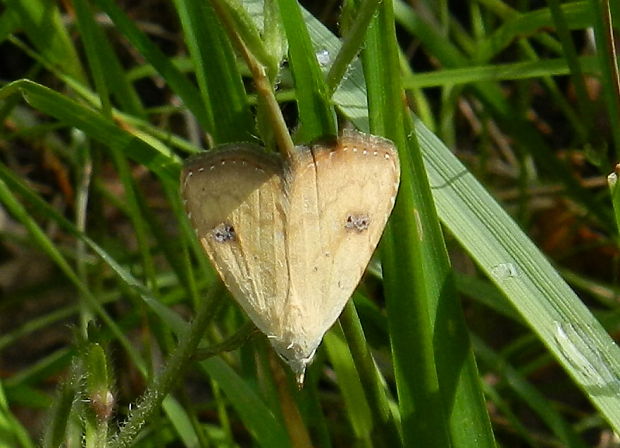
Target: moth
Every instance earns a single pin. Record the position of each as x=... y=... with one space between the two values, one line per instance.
x=292 y=238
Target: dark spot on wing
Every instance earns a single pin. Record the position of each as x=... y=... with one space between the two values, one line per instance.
x=224 y=232
x=358 y=222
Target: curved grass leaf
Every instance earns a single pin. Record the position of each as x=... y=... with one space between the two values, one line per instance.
x=258 y=418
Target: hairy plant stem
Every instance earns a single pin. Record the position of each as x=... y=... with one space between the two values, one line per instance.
x=163 y=383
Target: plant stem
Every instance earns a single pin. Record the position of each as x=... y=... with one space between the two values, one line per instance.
x=387 y=434
x=353 y=41
x=262 y=83
x=163 y=383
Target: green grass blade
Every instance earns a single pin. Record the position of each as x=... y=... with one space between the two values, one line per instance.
x=614 y=188
x=527 y=138
x=251 y=36
x=316 y=116
x=523 y=274
x=55 y=433
x=15 y=207
x=358 y=411
x=603 y=24
x=258 y=418
x=385 y=431
x=164 y=382
x=216 y=70
x=181 y=421
x=12 y=433
x=352 y=43
x=419 y=320
x=572 y=61
x=408 y=309
x=347 y=394
x=165 y=68
x=92 y=123
x=41 y=21
x=497 y=72
x=9 y=23
x=578 y=15
x=105 y=68
x=166 y=314
x=529 y=394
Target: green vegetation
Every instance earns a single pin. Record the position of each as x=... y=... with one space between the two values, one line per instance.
x=490 y=319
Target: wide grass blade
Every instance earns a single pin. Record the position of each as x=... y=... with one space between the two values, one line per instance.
x=510 y=259
x=426 y=323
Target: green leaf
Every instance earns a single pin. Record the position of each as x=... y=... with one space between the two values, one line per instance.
x=41 y=21
x=158 y=159
x=106 y=70
x=12 y=433
x=257 y=417
x=216 y=70
x=165 y=68
x=316 y=117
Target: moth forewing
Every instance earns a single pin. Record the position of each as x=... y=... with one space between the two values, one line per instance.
x=238 y=188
